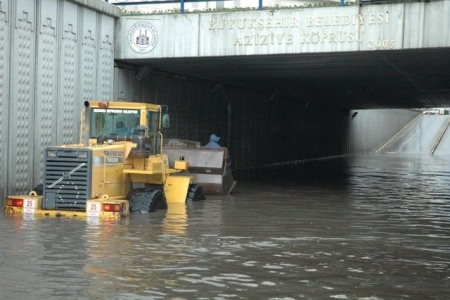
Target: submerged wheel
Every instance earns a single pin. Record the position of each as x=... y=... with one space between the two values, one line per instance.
x=145 y=200
x=195 y=193
x=132 y=192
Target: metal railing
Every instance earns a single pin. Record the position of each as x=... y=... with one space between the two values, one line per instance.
x=182 y=3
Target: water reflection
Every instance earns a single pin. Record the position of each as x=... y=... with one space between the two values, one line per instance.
x=375 y=227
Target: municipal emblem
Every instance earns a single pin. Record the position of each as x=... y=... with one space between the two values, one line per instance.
x=142 y=37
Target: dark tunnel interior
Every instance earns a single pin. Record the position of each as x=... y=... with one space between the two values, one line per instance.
x=285 y=116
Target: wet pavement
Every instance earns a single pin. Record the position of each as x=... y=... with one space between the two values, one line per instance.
x=373 y=227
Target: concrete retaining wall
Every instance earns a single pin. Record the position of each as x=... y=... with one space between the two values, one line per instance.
x=54 y=54
x=371 y=129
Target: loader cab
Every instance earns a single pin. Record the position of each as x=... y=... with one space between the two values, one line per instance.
x=123 y=118
x=113 y=121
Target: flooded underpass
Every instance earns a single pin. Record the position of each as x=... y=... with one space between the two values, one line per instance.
x=368 y=227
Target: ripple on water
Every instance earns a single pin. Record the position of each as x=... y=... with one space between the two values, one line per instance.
x=379 y=233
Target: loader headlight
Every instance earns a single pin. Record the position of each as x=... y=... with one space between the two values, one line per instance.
x=51 y=153
x=82 y=154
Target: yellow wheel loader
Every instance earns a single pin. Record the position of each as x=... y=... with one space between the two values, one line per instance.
x=118 y=167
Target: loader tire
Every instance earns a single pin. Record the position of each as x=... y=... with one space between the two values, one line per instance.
x=195 y=193
x=147 y=200
x=138 y=190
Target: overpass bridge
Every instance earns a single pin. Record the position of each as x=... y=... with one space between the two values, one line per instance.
x=392 y=55
x=278 y=86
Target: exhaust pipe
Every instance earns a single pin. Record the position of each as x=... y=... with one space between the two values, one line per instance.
x=86 y=124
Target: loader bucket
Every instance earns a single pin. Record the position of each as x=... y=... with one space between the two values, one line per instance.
x=208 y=166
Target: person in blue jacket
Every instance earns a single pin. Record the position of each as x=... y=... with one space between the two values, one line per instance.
x=213 y=141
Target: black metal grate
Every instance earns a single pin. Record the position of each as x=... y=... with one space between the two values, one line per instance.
x=67 y=179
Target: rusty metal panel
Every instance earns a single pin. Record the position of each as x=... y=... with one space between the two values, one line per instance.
x=4 y=93
x=46 y=85
x=21 y=110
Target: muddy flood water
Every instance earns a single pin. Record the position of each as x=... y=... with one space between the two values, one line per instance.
x=371 y=227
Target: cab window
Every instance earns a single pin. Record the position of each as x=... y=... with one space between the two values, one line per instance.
x=153 y=125
x=113 y=121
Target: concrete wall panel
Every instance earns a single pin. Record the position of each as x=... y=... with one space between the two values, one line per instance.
x=54 y=54
x=371 y=129
x=22 y=105
x=320 y=30
x=4 y=91
x=105 y=76
x=166 y=37
x=179 y=37
x=312 y=30
x=381 y=26
x=414 y=17
x=121 y=83
x=68 y=74
x=46 y=84
x=88 y=59
x=437 y=24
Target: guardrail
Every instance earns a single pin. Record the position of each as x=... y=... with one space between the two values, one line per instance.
x=182 y=3
x=439 y=137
